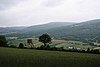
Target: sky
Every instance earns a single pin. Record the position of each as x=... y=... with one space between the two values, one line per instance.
x=34 y=12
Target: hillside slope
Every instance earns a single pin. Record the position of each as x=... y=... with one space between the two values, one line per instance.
x=11 y=57
x=10 y=30
x=85 y=31
x=46 y=26
x=30 y=29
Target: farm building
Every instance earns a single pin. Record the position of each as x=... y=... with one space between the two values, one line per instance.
x=29 y=41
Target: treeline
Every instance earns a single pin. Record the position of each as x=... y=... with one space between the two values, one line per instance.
x=42 y=47
x=45 y=38
x=47 y=47
x=3 y=42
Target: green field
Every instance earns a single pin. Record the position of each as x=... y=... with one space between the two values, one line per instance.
x=55 y=43
x=13 y=57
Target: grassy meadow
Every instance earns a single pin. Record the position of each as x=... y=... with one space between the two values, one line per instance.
x=13 y=57
x=55 y=43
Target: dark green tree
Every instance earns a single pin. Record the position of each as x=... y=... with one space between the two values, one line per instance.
x=88 y=50
x=21 y=45
x=3 y=41
x=45 y=38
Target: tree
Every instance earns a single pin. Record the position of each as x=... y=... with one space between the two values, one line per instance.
x=3 y=41
x=45 y=38
x=21 y=45
x=88 y=50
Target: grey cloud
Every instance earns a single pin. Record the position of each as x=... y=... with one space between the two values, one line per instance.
x=52 y=3
x=4 y=4
x=33 y=12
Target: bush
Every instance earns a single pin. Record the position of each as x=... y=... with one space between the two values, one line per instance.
x=21 y=45
x=88 y=50
x=43 y=47
x=13 y=46
x=95 y=51
x=3 y=41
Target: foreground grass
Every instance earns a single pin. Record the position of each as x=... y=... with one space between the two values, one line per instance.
x=10 y=57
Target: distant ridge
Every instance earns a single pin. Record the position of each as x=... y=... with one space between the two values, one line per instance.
x=88 y=31
x=22 y=29
x=47 y=26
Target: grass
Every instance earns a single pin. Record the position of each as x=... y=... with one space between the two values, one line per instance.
x=11 y=57
x=56 y=43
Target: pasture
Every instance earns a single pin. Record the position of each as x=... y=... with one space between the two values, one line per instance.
x=55 y=43
x=13 y=57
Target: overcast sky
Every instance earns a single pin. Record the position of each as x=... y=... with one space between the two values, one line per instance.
x=34 y=12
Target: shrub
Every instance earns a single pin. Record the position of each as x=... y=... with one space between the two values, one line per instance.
x=13 y=46
x=21 y=45
x=3 y=41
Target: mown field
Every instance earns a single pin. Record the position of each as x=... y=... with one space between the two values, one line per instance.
x=55 y=43
x=13 y=57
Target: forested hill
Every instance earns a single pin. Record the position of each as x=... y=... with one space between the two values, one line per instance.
x=47 y=26
x=88 y=31
x=10 y=30
x=85 y=31
x=30 y=29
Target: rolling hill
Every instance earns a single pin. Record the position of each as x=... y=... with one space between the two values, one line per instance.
x=30 y=29
x=10 y=30
x=11 y=57
x=87 y=31
x=47 y=26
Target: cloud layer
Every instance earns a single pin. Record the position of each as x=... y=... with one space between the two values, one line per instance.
x=33 y=12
